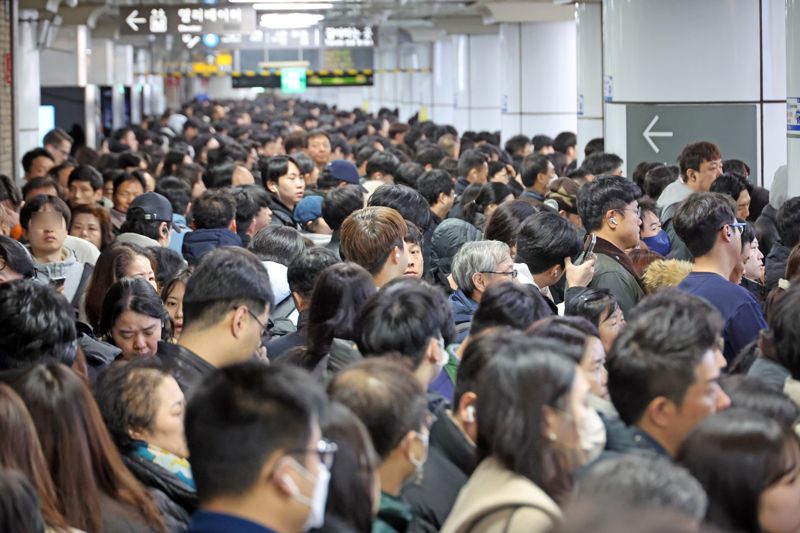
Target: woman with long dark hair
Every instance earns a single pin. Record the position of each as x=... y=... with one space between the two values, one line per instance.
x=338 y=295
x=20 y=450
x=96 y=492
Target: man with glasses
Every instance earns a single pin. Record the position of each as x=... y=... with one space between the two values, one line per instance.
x=706 y=222
x=476 y=267
x=224 y=322
x=701 y=165
x=58 y=144
x=258 y=458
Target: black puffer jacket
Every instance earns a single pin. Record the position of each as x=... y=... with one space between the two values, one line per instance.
x=175 y=499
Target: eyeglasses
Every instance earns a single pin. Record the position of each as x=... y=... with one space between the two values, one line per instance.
x=260 y=324
x=326 y=450
x=512 y=273
x=636 y=210
x=736 y=225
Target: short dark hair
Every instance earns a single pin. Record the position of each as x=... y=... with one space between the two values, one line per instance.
x=39 y=183
x=514 y=305
x=408 y=173
x=750 y=392
x=602 y=195
x=262 y=408
x=87 y=174
x=534 y=165
x=339 y=203
x=386 y=396
x=736 y=455
x=56 y=136
x=403 y=317
x=644 y=481
x=124 y=177
x=405 y=200
x=656 y=179
x=699 y=218
x=16 y=257
x=31 y=155
x=735 y=166
x=215 y=208
x=369 y=235
x=479 y=351
x=545 y=239
x=207 y=300
x=503 y=225
x=641 y=171
x=788 y=222
x=592 y=304
x=732 y=185
x=430 y=154
x=383 y=162
x=250 y=199
x=279 y=244
x=35 y=204
x=468 y=160
x=177 y=191
x=598 y=144
x=564 y=141
x=274 y=167
x=304 y=271
x=36 y=325
x=657 y=352
x=516 y=143
x=541 y=141
x=601 y=163
x=694 y=155
x=433 y=183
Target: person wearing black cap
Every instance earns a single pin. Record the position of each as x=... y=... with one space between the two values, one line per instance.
x=148 y=221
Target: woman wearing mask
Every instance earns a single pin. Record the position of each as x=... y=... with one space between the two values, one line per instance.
x=143 y=408
x=530 y=401
x=133 y=318
x=750 y=468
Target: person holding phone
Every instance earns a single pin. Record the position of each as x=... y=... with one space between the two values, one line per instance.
x=45 y=220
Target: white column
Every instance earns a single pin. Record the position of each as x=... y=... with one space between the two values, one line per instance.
x=588 y=20
x=549 y=86
x=510 y=80
x=667 y=60
x=484 y=83
x=462 y=100
x=65 y=62
x=793 y=90
x=27 y=97
x=101 y=62
x=444 y=82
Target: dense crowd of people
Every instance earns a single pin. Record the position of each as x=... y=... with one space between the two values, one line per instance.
x=274 y=316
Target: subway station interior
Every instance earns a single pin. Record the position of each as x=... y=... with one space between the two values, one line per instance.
x=399 y=266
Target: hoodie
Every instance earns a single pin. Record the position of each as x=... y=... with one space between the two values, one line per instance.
x=668 y=202
x=200 y=241
x=69 y=268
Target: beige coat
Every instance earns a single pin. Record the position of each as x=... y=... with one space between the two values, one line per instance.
x=496 y=500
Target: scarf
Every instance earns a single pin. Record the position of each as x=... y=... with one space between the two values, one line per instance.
x=606 y=248
x=170 y=462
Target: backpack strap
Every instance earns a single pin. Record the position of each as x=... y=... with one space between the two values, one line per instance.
x=85 y=275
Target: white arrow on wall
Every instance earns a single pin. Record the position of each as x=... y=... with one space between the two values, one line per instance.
x=133 y=20
x=649 y=134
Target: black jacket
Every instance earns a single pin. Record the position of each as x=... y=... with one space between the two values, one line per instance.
x=766 y=229
x=282 y=215
x=775 y=264
x=186 y=367
x=433 y=498
x=175 y=500
x=448 y=438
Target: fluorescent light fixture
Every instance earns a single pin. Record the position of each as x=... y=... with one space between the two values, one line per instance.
x=289 y=21
x=293 y=6
x=266 y=2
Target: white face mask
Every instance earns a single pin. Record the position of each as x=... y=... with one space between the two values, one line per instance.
x=591 y=441
x=419 y=464
x=444 y=357
x=317 y=502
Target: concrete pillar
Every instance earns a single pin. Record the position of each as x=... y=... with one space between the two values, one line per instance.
x=101 y=64
x=510 y=80
x=27 y=96
x=671 y=77
x=484 y=82
x=443 y=81
x=793 y=93
x=65 y=62
x=589 y=39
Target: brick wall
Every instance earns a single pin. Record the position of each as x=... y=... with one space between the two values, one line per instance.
x=6 y=90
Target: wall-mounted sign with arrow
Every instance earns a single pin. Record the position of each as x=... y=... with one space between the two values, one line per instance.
x=192 y=19
x=658 y=132
x=133 y=20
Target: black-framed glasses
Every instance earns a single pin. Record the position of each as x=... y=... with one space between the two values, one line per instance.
x=325 y=449
x=512 y=273
x=264 y=327
x=736 y=225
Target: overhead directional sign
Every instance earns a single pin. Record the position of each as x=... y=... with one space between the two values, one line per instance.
x=192 y=19
x=659 y=132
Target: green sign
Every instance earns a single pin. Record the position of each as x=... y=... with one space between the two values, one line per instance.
x=293 y=80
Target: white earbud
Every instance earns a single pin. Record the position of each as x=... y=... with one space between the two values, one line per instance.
x=613 y=220
x=469 y=416
x=292 y=486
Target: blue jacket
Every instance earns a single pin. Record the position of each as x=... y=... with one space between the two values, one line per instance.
x=463 y=308
x=179 y=231
x=200 y=241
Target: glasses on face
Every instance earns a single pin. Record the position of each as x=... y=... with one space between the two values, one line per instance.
x=739 y=226
x=512 y=273
x=635 y=210
x=325 y=449
x=260 y=324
